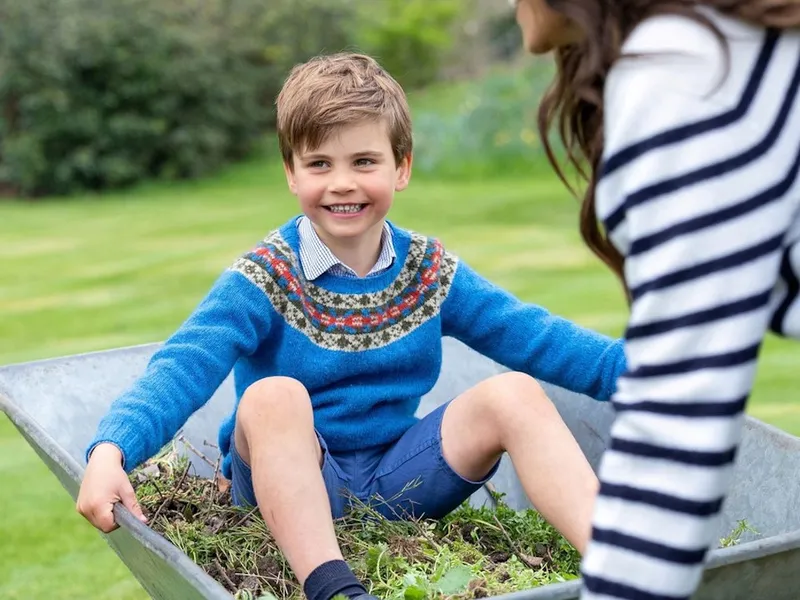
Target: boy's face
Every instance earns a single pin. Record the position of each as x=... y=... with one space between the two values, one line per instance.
x=346 y=186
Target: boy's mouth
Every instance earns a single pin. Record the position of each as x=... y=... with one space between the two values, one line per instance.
x=345 y=209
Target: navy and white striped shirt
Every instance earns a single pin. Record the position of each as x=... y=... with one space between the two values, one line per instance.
x=316 y=258
x=699 y=190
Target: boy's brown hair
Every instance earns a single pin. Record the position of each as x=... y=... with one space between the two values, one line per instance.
x=340 y=89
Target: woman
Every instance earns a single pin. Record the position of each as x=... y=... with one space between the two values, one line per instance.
x=690 y=145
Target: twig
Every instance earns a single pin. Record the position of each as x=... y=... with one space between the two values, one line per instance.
x=491 y=491
x=158 y=489
x=215 y=491
x=408 y=517
x=197 y=452
x=174 y=491
x=244 y=518
x=224 y=575
x=520 y=555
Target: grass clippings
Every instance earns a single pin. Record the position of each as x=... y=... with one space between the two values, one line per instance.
x=735 y=536
x=471 y=553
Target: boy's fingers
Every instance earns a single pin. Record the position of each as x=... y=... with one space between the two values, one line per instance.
x=128 y=497
x=103 y=519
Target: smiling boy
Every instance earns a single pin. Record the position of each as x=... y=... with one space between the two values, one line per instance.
x=333 y=327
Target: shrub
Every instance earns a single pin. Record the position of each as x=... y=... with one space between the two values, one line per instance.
x=410 y=38
x=487 y=128
x=99 y=94
x=292 y=31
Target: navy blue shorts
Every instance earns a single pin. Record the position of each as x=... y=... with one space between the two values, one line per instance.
x=409 y=478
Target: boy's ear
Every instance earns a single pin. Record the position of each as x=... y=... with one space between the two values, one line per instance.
x=404 y=172
x=290 y=180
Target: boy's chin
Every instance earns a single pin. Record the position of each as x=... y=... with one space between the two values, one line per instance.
x=355 y=226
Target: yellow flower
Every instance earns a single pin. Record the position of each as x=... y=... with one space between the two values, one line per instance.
x=501 y=138
x=528 y=136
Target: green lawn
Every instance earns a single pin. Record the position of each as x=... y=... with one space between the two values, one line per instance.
x=95 y=273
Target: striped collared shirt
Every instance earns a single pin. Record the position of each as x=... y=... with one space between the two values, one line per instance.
x=316 y=257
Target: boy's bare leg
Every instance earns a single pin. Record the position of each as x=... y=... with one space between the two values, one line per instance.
x=511 y=413
x=275 y=435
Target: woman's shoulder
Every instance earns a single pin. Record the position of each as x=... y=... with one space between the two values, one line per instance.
x=684 y=54
x=691 y=35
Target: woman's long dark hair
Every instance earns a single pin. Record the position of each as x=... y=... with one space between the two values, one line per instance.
x=573 y=103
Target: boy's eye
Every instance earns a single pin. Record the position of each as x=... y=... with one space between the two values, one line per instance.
x=317 y=164
x=363 y=162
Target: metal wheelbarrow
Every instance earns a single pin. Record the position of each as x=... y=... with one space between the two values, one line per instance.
x=56 y=405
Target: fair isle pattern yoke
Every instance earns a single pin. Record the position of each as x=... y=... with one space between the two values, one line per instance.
x=352 y=322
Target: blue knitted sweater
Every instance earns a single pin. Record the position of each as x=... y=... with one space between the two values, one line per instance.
x=365 y=349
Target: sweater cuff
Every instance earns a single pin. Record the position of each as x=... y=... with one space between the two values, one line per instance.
x=103 y=441
x=121 y=436
x=615 y=370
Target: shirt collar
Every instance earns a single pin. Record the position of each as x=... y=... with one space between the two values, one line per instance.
x=316 y=258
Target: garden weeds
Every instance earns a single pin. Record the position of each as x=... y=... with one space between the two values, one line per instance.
x=474 y=552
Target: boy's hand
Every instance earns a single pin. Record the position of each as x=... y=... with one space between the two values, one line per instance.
x=104 y=484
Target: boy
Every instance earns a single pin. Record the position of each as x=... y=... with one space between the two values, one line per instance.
x=333 y=327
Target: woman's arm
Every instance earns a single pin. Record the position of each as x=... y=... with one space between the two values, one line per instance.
x=693 y=195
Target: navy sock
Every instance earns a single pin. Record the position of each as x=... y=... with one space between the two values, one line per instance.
x=332 y=578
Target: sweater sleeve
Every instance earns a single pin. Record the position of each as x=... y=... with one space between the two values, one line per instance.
x=690 y=194
x=184 y=373
x=527 y=338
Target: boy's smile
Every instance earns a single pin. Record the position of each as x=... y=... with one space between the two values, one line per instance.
x=346 y=187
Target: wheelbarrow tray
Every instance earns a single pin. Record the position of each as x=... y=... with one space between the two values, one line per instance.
x=56 y=404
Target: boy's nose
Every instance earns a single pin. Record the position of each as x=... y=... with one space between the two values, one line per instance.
x=341 y=183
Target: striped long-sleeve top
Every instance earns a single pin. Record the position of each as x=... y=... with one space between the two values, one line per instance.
x=699 y=190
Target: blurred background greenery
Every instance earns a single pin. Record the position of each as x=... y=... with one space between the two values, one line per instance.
x=100 y=94
x=137 y=160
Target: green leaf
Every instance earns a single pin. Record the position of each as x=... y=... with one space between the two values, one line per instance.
x=414 y=592
x=455 y=580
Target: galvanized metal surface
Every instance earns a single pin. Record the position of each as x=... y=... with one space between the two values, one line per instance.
x=56 y=404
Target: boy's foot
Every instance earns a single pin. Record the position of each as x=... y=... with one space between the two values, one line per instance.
x=365 y=597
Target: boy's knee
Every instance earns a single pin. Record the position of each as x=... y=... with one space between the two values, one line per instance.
x=515 y=381
x=516 y=394
x=274 y=400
